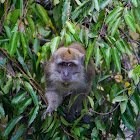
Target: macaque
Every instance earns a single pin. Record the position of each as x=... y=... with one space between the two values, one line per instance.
x=65 y=74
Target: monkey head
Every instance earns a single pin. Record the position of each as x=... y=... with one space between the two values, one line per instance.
x=69 y=65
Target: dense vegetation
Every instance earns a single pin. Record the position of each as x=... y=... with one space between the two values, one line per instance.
x=109 y=30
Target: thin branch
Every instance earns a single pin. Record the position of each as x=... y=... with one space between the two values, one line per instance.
x=131 y=42
x=8 y=71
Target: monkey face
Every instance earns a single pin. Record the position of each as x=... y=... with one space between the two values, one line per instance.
x=69 y=65
x=68 y=71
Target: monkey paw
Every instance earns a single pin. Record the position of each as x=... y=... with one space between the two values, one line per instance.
x=48 y=111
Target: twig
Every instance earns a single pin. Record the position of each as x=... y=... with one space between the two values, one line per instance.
x=131 y=42
x=8 y=71
x=23 y=13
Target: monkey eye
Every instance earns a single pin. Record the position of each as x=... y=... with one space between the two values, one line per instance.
x=63 y=64
x=69 y=64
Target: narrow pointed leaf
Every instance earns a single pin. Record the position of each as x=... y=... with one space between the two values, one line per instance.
x=104 y=3
x=43 y=14
x=24 y=43
x=36 y=45
x=13 y=43
x=111 y=23
x=108 y=57
x=71 y=27
x=129 y=20
x=135 y=2
x=112 y=14
x=97 y=5
x=11 y=125
x=127 y=122
x=115 y=27
x=29 y=88
x=65 y=11
x=18 y=98
x=24 y=105
x=2 y=112
x=54 y=44
x=116 y=58
x=97 y=56
x=33 y=115
x=120 y=46
x=31 y=24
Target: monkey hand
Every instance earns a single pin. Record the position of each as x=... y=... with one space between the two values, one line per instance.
x=49 y=110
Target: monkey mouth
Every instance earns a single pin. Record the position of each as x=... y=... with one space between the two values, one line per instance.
x=66 y=84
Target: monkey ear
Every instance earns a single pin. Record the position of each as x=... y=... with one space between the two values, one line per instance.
x=83 y=58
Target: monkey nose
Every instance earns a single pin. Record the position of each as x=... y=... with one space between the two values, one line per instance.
x=66 y=74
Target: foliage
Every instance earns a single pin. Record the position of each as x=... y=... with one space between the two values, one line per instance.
x=106 y=28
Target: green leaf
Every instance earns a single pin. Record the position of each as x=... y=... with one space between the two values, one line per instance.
x=21 y=7
x=24 y=43
x=54 y=44
x=78 y=9
x=89 y=52
x=127 y=122
x=11 y=125
x=136 y=69
x=29 y=88
x=115 y=27
x=99 y=125
x=129 y=20
x=97 y=4
x=24 y=105
x=14 y=16
x=21 y=60
x=108 y=57
x=67 y=40
x=13 y=43
x=18 y=98
x=33 y=114
x=120 y=46
x=91 y=101
x=113 y=92
x=52 y=124
x=47 y=122
x=111 y=23
x=135 y=2
x=2 y=112
x=77 y=131
x=71 y=27
x=135 y=98
x=8 y=85
x=113 y=13
x=97 y=56
x=21 y=130
x=43 y=13
x=103 y=78
x=120 y=98
x=64 y=121
x=137 y=14
x=82 y=114
x=8 y=31
x=31 y=24
x=123 y=105
x=65 y=11
x=104 y=3
x=116 y=58
x=94 y=133
x=36 y=45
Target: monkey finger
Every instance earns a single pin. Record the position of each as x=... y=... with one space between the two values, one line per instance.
x=44 y=115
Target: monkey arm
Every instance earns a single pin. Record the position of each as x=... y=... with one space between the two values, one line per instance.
x=54 y=101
